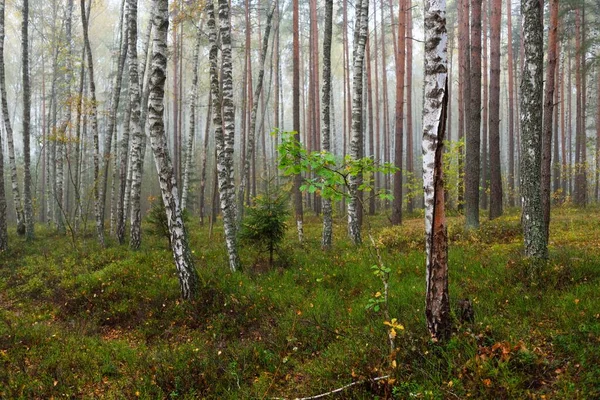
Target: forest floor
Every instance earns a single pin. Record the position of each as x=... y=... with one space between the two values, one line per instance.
x=77 y=321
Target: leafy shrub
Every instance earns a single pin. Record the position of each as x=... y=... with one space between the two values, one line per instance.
x=265 y=222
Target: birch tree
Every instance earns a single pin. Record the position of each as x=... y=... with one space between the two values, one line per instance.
x=9 y=133
x=135 y=126
x=3 y=229
x=94 y=125
x=188 y=278
x=114 y=106
x=192 y=124
x=28 y=212
x=531 y=130
x=256 y=98
x=437 y=306
x=223 y=133
x=326 y=134
x=356 y=144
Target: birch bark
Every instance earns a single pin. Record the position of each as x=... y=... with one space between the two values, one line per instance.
x=188 y=278
x=356 y=144
x=437 y=306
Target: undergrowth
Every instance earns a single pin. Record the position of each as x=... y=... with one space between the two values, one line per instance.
x=86 y=322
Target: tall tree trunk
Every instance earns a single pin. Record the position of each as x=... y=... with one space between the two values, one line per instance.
x=511 y=107
x=223 y=124
x=250 y=149
x=399 y=134
x=296 y=117
x=495 y=175
x=3 y=229
x=473 y=140
x=465 y=91
x=563 y=130
x=9 y=134
x=135 y=126
x=597 y=177
x=327 y=236
x=114 y=106
x=578 y=192
x=531 y=130
x=29 y=234
x=384 y=89
x=370 y=95
x=188 y=278
x=437 y=305
x=548 y=115
x=409 y=123
x=357 y=143
x=557 y=96
x=94 y=123
x=485 y=160
x=192 y=124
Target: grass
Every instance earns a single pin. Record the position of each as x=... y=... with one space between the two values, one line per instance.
x=86 y=322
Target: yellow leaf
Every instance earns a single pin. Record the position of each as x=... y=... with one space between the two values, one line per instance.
x=393 y=333
x=378 y=294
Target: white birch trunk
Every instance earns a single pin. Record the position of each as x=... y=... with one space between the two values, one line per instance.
x=532 y=219
x=94 y=126
x=437 y=305
x=327 y=236
x=356 y=143
x=135 y=127
x=9 y=133
x=223 y=110
x=192 y=131
x=188 y=279
x=28 y=212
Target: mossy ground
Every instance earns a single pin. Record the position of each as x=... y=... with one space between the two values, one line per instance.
x=77 y=321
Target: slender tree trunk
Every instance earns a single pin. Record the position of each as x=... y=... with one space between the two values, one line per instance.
x=94 y=122
x=495 y=175
x=578 y=192
x=384 y=88
x=3 y=229
x=531 y=130
x=250 y=149
x=465 y=91
x=357 y=142
x=511 y=107
x=485 y=160
x=29 y=234
x=473 y=140
x=9 y=135
x=557 y=95
x=192 y=124
x=437 y=305
x=135 y=127
x=548 y=114
x=597 y=177
x=370 y=96
x=223 y=124
x=296 y=117
x=563 y=131
x=399 y=134
x=409 y=122
x=327 y=236
x=188 y=278
x=114 y=106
